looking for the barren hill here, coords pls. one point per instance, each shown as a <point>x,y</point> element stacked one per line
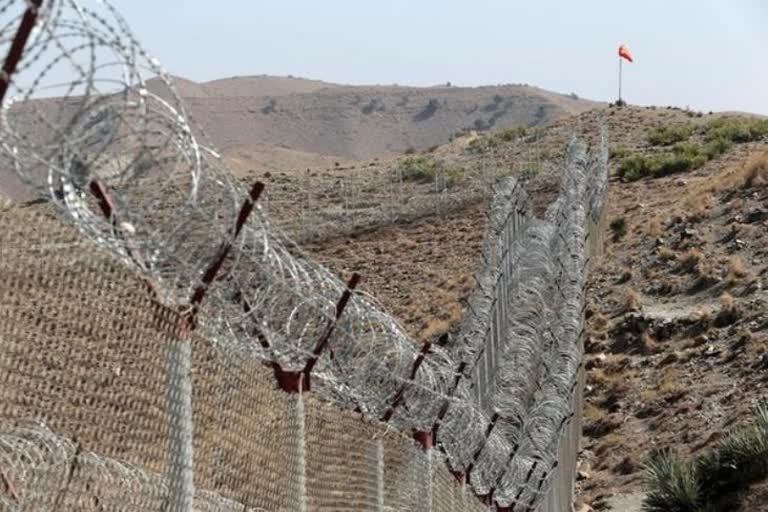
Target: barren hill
<point>278,123</point>
<point>258,120</point>
<point>351,123</point>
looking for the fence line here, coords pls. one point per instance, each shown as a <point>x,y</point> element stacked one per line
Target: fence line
<point>225,294</point>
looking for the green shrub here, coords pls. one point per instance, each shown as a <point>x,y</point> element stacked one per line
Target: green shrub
<point>736,129</point>
<point>673,484</point>
<point>618,152</point>
<point>716,146</point>
<point>710,482</point>
<point>483,143</point>
<point>618,228</point>
<point>667,135</point>
<point>511,134</point>
<point>417,169</point>
<point>739,459</point>
<point>658,165</point>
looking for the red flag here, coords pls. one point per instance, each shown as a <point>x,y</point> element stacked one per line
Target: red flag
<point>624,53</point>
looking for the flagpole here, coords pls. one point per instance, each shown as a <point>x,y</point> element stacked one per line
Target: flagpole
<point>620,80</point>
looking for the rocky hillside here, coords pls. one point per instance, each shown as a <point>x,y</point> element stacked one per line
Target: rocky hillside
<point>677,354</point>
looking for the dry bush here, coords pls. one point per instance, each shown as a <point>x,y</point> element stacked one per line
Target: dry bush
<point>631,300</point>
<point>756,171</point>
<point>599,322</point>
<point>654,227</point>
<point>690,260</point>
<point>648,345</point>
<point>593,413</point>
<point>727,302</point>
<point>434,328</point>
<point>666,254</point>
<point>737,269</point>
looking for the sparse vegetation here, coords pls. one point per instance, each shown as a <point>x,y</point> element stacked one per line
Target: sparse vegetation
<point>657,165</point>
<point>666,135</point>
<point>736,129</point>
<point>711,481</point>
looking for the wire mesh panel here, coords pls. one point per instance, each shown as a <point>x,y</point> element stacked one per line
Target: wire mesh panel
<point>81,344</point>
<point>342,460</point>
<point>404,464</point>
<point>244,442</point>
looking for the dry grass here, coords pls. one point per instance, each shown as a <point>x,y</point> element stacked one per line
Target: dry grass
<point>668,382</point>
<point>631,300</point>
<point>599,322</point>
<point>648,345</point>
<point>655,226</point>
<point>690,260</point>
<point>593,413</point>
<point>737,269</point>
<point>666,254</point>
<point>756,171</point>
<point>727,302</point>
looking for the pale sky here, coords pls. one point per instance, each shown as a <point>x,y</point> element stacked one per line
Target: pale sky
<point>704,54</point>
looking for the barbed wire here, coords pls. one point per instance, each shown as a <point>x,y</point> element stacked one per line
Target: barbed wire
<point>121,160</point>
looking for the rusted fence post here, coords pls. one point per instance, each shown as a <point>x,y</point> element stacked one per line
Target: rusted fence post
<point>17,46</point>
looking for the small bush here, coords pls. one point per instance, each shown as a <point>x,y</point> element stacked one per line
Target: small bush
<point>618,228</point>
<point>667,135</point>
<point>673,484</point>
<point>417,169</point>
<point>618,152</point>
<point>756,171</point>
<point>511,134</point>
<point>716,147</point>
<point>485,142</point>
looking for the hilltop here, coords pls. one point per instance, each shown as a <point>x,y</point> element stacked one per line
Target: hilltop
<point>259,121</point>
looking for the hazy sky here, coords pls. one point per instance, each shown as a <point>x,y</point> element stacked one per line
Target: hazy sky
<point>704,54</point>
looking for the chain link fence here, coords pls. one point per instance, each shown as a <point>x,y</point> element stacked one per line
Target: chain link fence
<point>164,346</point>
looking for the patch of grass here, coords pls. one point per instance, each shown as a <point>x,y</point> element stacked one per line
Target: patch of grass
<point>636,167</point>
<point>711,481</point>
<point>667,135</point>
